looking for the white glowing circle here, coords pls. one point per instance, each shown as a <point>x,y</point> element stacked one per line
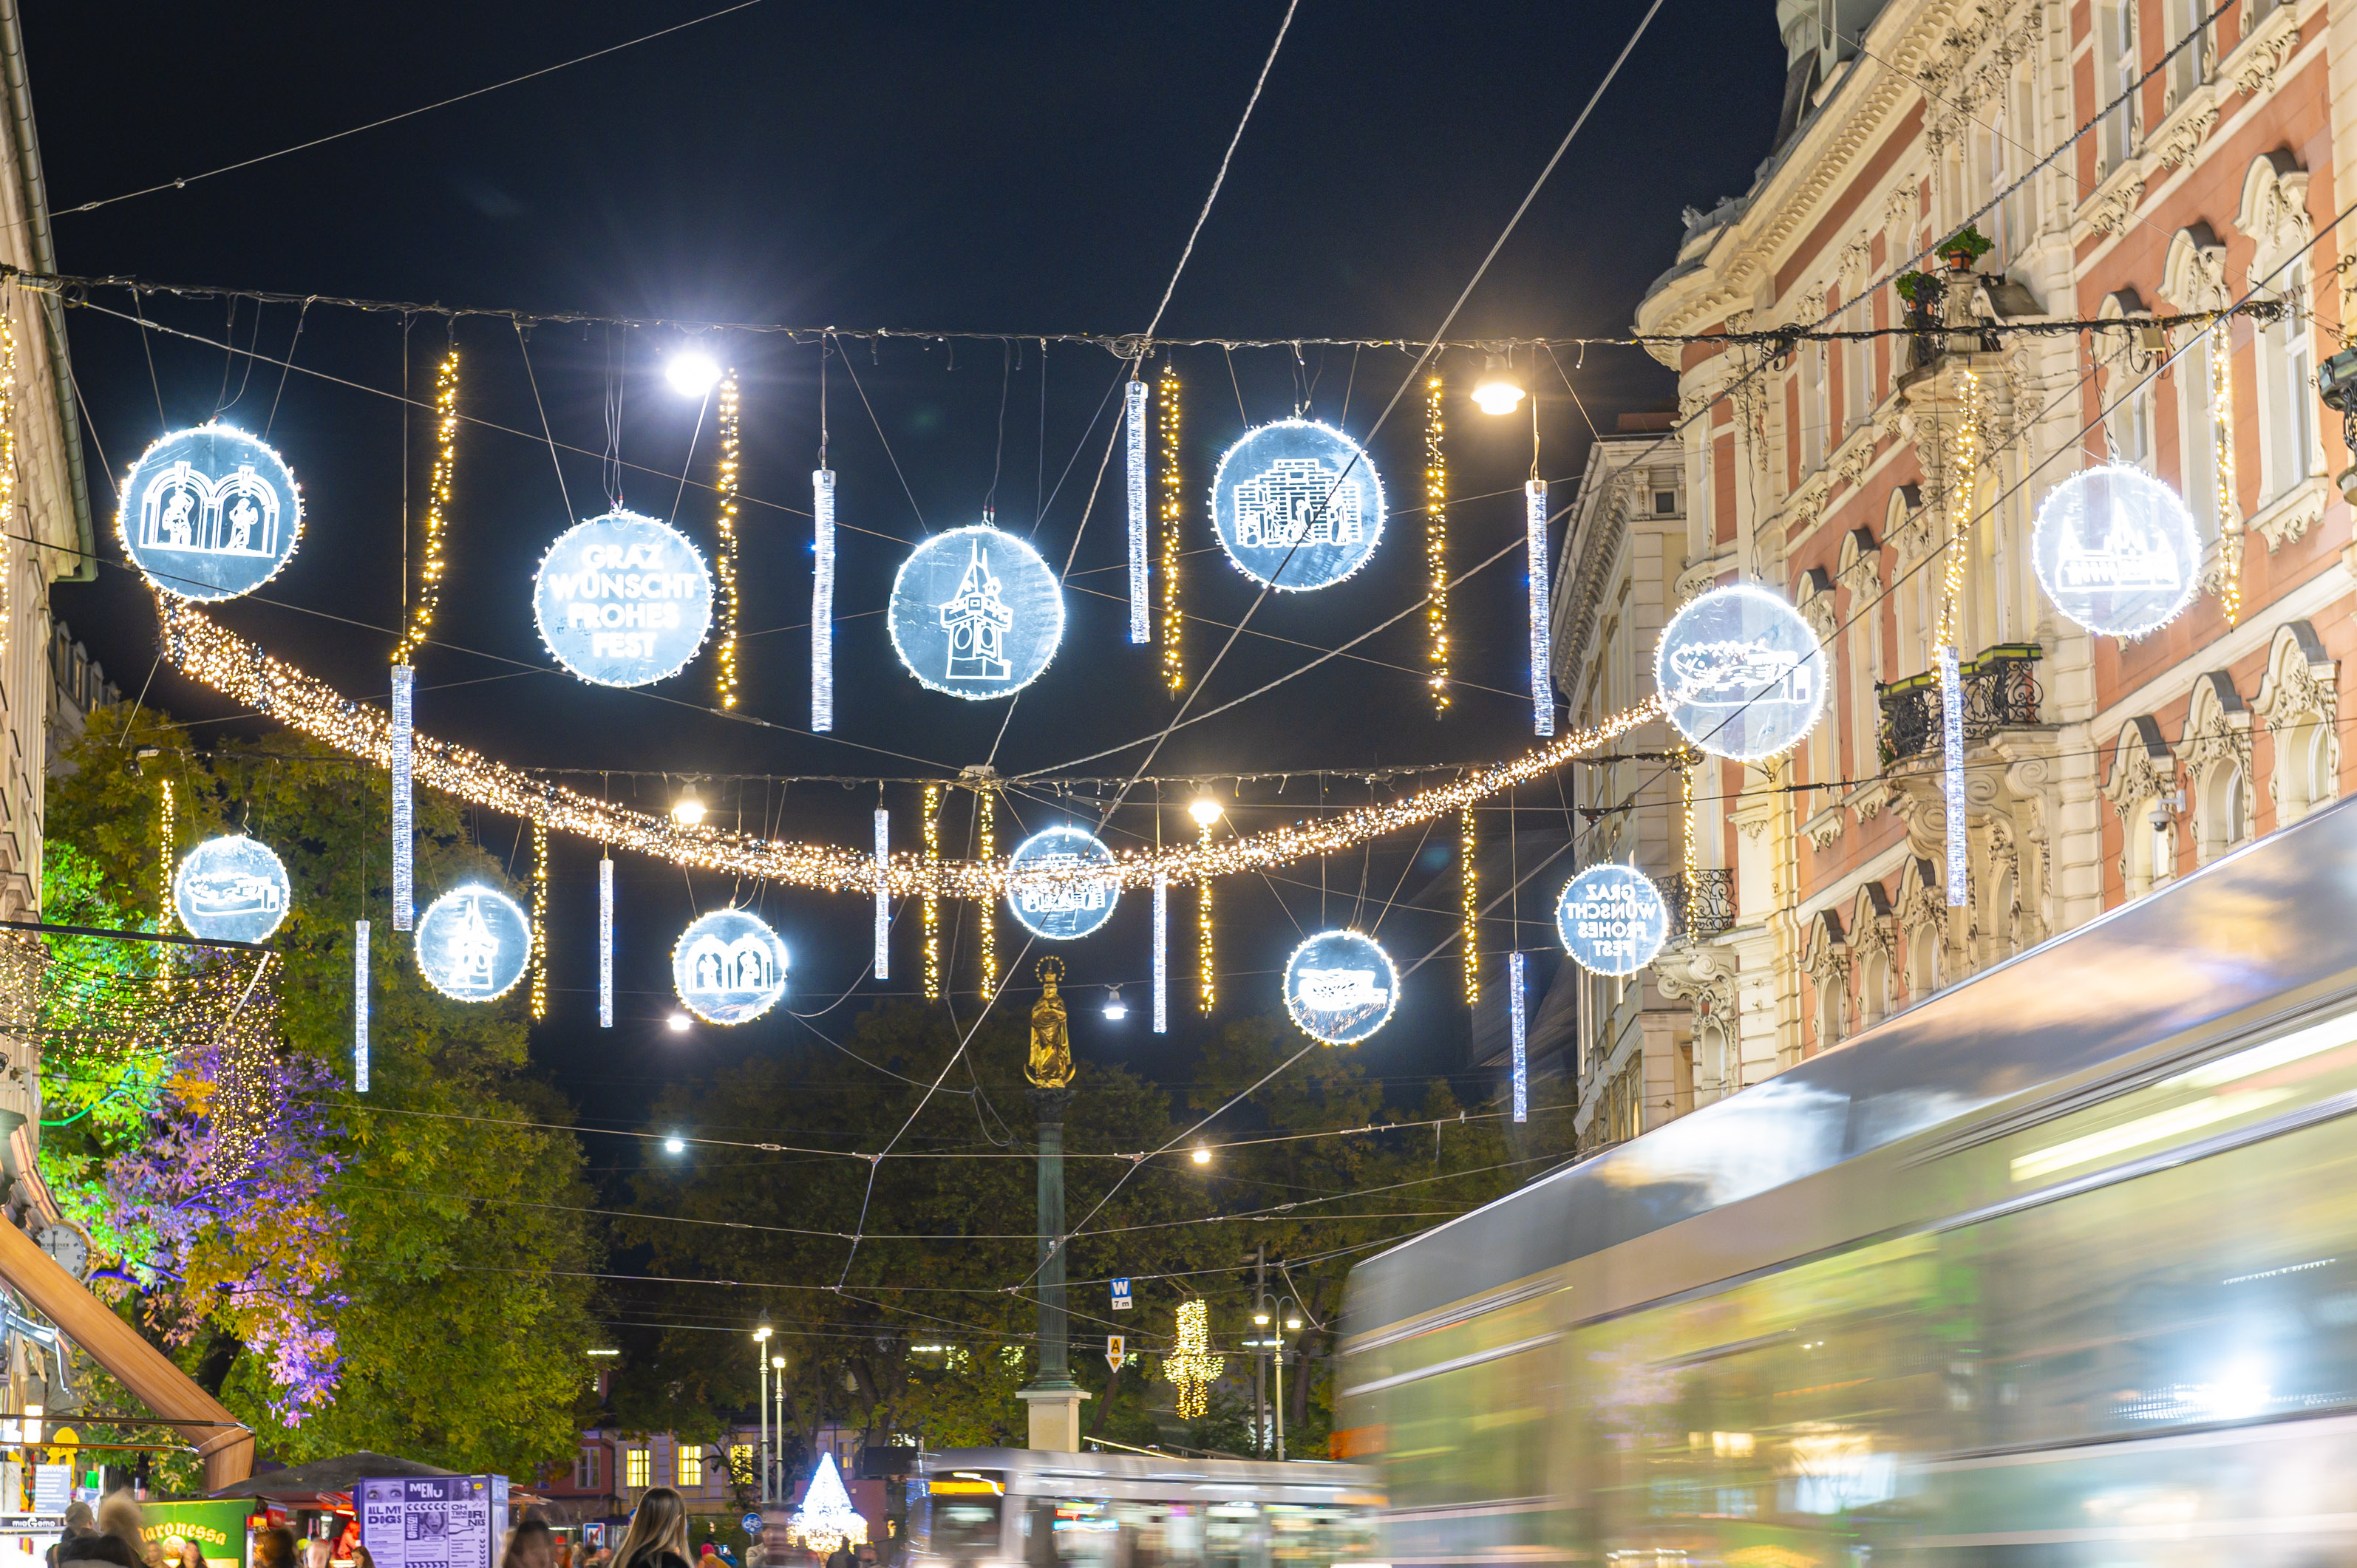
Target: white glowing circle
<point>1297,505</point>
<point>1740,673</point>
<point>210,513</point>
<point>230,890</point>
<point>623,600</point>
<point>1611,919</point>
<point>2116,550</point>
<point>474,943</point>
<point>1340,987</point>
<point>692,374</point>
<point>728,967</point>
<point>1047,889</point>
<point>975,613</point>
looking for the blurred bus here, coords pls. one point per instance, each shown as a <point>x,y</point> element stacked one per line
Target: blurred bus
<point>2059,1266</point>
<point>1018,1508</point>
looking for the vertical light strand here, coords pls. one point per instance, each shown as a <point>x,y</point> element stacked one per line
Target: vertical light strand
<point>1174,659</point>
<point>725,489</point>
<point>1516,1022</point>
<point>606,942</point>
<point>1952,781</point>
<point>883,964</point>
<point>932,826</point>
<point>822,600</point>
<point>1535,524</point>
<point>404,888</point>
<point>8,477</point>
<point>2222,434</point>
<point>1469,898</point>
<point>360,1006</point>
<point>167,824</point>
<point>986,837</point>
<point>1691,758</point>
<point>1207,985</point>
<point>1161,953</point>
<point>1141,590</point>
<point>436,566</point>
<point>539,921</point>
<point>1436,549</point>
<point>1964,467</point>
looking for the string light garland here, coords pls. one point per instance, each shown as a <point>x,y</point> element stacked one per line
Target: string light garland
<point>1189,1364</point>
<point>1436,549</point>
<point>1141,596</point>
<point>986,841</point>
<point>2231,536</point>
<point>1174,620</point>
<point>539,921</point>
<point>360,1006</point>
<point>931,894</point>
<point>438,487</point>
<point>202,648</point>
<point>724,489</point>
<point>1469,899</point>
<point>1207,980</point>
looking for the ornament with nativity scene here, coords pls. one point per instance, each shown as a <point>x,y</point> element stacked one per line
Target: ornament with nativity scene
<point>728,967</point>
<point>210,513</point>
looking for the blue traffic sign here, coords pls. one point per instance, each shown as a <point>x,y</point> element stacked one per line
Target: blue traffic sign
<point>752,1523</point>
<point>1120,1295</point>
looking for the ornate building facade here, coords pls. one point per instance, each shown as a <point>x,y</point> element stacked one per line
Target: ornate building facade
<point>1861,478</point>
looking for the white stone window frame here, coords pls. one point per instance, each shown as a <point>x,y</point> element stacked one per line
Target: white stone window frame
<point>2144,778</point>
<point>2274,215</point>
<point>2300,703</point>
<point>2216,756</point>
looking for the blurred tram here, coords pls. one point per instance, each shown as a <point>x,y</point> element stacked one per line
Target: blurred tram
<point>1018,1508</point>
<point>2059,1267</point>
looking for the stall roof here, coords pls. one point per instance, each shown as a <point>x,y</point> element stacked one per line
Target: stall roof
<point>327,1477</point>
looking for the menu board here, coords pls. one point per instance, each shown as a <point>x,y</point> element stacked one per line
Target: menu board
<point>433,1521</point>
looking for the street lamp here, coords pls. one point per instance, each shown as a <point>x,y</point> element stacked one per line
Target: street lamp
<point>675,1144</point>
<point>1205,810</point>
<point>692,374</point>
<point>761,1366</point>
<point>1202,1153</point>
<point>677,1023</point>
<point>688,810</point>
<point>1115,1007</point>
<point>1499,390</point>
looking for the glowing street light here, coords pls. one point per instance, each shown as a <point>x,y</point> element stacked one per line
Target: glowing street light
<point>677,1023</point>
<point>692,374</point>
<point>1205,810</point>
<point>1115,1007</point>
<point>688,810</point>
<point>1499,390</point>
<point>675,1144</point>
<point>1202,1153</point>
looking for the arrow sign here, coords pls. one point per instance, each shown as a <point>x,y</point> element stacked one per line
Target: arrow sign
<point>1113,1350</point>
<point>1120,1295</point>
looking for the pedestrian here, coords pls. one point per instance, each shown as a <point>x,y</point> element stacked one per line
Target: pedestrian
<point>78,1524</point>
<point>531,1544</point>
<point>182,1552</point>
<point>273,1548</point>
<point>317,1553</point>
<point>841,1557</point>
<point>361,1558</point>
<point>115,1538</point>
<point>658,1534</point>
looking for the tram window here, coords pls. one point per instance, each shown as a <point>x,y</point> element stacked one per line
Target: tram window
<point>1233,1537</point>
<point>965,1526</point>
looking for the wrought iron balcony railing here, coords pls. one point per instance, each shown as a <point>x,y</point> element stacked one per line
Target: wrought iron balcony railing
<point>2000,690</point>
<point>1702,902</point>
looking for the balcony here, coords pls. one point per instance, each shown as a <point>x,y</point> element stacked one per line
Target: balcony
<point>1702,902</point>
<point>2000,693</point>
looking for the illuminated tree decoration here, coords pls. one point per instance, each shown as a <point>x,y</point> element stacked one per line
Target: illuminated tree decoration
<point>210,513</point>
<point>1340,987</point>
<point>1611,919</point>
<point>1190,1366</point>
<point>230,890</point>
<point>975,613</point>
<point>623,600</point>
<point>1740,673</point>
<point>2116,550</point>
<point>826,1521</point>
<point>728,967</point>
<point>1297,505</point>
<point>1049,889</point>
<point>474,943</point>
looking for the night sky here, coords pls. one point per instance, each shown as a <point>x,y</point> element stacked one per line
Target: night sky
<point>1017,169</point>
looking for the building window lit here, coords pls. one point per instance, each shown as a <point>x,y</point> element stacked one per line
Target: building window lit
<point>691,1464</point>
<point>638,1467</point>
<point>585,1469</point>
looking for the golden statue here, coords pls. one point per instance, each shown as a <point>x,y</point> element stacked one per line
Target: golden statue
<point>1051,1035</point>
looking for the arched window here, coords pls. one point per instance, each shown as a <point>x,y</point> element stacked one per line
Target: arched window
<point>1922,961</point>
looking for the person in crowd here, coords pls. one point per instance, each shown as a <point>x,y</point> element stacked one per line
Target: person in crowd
<point>843,1557</point>
<point>531,1544</point>
<point>361,1557</point>
<point>115,1540</point>
<point>78,1524</point>
<point>182,1552</point>
<point>658,1534</point>
<point>273,1548</point>
<point>317,1553</point>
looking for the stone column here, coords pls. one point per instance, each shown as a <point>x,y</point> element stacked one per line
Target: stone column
<point>1053,1398</point>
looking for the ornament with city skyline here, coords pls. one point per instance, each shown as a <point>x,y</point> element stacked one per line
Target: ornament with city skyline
<point>1297,505</point>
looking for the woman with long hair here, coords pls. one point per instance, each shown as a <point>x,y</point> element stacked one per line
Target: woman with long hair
<point>658,1534</point>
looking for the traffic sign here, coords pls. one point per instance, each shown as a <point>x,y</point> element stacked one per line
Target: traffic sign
<point>752,1523</point>
<point>1120,1295</point>
<point>1113,1350</point>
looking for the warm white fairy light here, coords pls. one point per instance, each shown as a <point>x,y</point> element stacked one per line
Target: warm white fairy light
<point>1161,953</point>
<point>1516,1023</point>
<point>822,600</point>
<point>1964,466</point>
<point>1141,611</point>
<point>932,910</point>
<point>883,963</point>
<point>202,648</point>
<point>1174,622</point>
<point>1535,524</point>
<point>2222,435</point>
<point>8,477</point>
<point>1951,777</point>
<point>606,942</point>
<point>1206,979</point>
<point>986,914</point>
<point>436,564</point>
<point>1469,897</point>
<point>1189,1364</point>
<point>539,921</point>
<point>360,1006</point>
<point>399,747</point>
<point>1436,548</point>
<point>724,488</point>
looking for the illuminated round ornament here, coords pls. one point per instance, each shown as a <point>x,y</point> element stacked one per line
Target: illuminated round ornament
<point>975,613</point>
<point>1297,505</point>
<point>1611,919</point>
<point>728,967</point>
<point>210,513</point>
<point>623,600</point>
<point>2116,550</point>
<point>1340,987</point>
<point>1047,889</point>
<point>1740,673</point>
<point>473,943</point>
<point>230,890</point>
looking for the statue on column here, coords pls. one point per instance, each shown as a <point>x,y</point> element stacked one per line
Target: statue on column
<point>1051,1037</point>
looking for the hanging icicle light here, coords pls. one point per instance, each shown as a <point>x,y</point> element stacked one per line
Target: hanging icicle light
<point>1515,1023</point>
<point>360,1006</point>
<point>606,942</point>
<point>2222,434</point>
<point>1141,609</point>
<point>404,886</point>
<point>726,488</point>
<point>1174,663</point>
<point>1951,774</point>
<point>1469,899</point>
<point>1161,954</point>
<point>1436,549</point>
<point>1964,466</point>
<point>539,921</point>
<point>987,910</point>
<point>1535,524</point>
<point>932,903</point>
<point>883,960</point>
<point>822,600</point>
